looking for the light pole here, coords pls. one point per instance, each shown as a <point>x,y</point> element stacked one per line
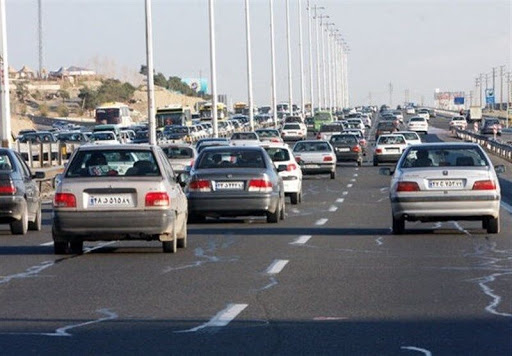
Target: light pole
<point>302,104</point>
<point>317,27</point>
<point>311,98</point>
<point>249,65</point>
<point>151,84</point>
<point>324,72</point>
<point>289,50</point>
<point>273,64</point>
<point>329,62</point>
<point>213,69</point>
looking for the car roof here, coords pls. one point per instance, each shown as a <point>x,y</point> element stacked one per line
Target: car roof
<point>120,146</point>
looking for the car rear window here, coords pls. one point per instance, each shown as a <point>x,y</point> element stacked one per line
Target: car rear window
<point>97,163</point>
<point>312,147</point>
<point>443,157</point>
<point>5,162</point>
<point>347,139</point>
<point>391,140</point>
<point>291,127</point>
<point>178,152</point>
<point>268,133</point>
<point>244,136</point>
<point>330,128</point>
<point>417,119</point>
<point>410,135</point>
<point>231,159</point>
<point>278,154</point>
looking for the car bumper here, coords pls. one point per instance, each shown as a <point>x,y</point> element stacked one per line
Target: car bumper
<point>446,208</point>
<point>234,205</point>
<point>387,158</point>
<point>348,156</point>
<point>291,184</point>
<point>311,168</point>
<point>112,225</point>
<point>11,208</point>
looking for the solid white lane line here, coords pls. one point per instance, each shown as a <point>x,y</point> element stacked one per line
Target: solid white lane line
<point>340,200</point>
<point>321,221</point>
<point>506,206</point>
<point>223,318</point>
<point>276,266</point>
<point>301,240</point>
<point>333,208</point>
<point>349,185</point>
<point>47,244</point>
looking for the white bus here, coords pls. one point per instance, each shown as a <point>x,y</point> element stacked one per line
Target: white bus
<point>113,114</point>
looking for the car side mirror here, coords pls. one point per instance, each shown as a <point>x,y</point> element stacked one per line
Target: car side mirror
<point>385,171</point>
<point>499,168</point>
<point>38,175</point>
<point>281,168</point>
<point>56,180</point>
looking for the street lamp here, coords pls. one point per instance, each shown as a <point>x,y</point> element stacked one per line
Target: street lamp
<point>249,66</point>
<point>213,69</point>
<point>151,84</point>
<point>289,50</point>
<point>273,64</point>
<point>301,60</point>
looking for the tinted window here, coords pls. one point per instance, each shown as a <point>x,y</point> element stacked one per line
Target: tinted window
<point>178,152</point>
<point>278,154</point>
<point>232,159</point>
<point>442,157</point>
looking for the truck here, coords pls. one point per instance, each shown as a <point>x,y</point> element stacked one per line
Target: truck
<point>474,114</point>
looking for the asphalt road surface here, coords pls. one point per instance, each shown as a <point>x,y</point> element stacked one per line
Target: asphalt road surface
<point>330,279</point>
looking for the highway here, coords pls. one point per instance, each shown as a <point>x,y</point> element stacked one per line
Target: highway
<point>330,279</point>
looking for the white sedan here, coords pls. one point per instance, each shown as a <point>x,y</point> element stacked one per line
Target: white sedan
<point>389,148</point>
<point>418,124</point>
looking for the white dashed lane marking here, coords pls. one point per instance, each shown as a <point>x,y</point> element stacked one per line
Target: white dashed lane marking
<point>333,208</point>
<point>276,266</point>
<point>340,200</point>
<point>349,185</point>
<point>223,318</point>
<point>321,222</point>
<point>301,240</point>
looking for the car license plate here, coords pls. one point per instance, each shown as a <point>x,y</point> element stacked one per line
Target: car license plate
<point>343,149</point>
<point>392,149</point>
<point>178,167</point>
<point>446,184</point>
<point>229,185</point>
<point>312,166</point>
<point>111,200</point>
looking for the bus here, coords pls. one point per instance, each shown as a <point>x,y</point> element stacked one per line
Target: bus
<point>173,115</point>
<point>113,114</point>
<point>205,111</point>
<point>241,108</point>
<point>320,118</point>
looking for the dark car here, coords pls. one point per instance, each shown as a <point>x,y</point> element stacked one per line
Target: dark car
<point>235,181</point>
<point>177,132</point>
<point>210,142</point>
<point>489,125</point>
<point>20,200</point>
<point>385,127</point>
<point>347,148</point>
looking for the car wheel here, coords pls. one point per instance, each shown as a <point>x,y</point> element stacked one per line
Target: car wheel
<point>333,175</point>
<point>182,240</point>
<point>300,197</point>
<point>359,163</point>
<point>60,248</point>
<point>20,227</point>
<point>375,163</point>
<point>282,213</point>
<point>171,246</point>
<point>485,223</point>
<point>274,217</point>
<point>493,225</point>
<point>294,198</point>
<point>398,226</point>
<point>36,224</point>
<point>76,247</point>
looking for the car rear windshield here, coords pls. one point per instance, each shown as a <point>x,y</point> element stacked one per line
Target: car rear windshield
<point>178,152</point>
<point>330,128</point>
<point>417,119</point>
<point>231,159</point>
<point>291,127</point>
<point>278,154</point>
<point>5,162</point>
<point>443,157</point>
<point>385,124</point>
<point>344,139</point>
<point>97,163</point>
<point>244,136</point>
<point>312,147</point>
<point>410,135</point>
<point>391,140</point>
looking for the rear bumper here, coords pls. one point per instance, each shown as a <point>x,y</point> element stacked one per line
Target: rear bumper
<point>387,158</point>
<point>234,205</point>
<point>349,156</point>
<point>111,225</point>
<point>11,208</point>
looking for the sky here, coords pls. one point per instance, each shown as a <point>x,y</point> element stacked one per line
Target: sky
<point>417,46</point>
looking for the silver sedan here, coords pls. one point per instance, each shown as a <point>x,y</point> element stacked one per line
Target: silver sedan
<point>445,181</point>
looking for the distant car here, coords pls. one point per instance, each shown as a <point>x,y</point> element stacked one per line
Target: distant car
<point>432,112</point>
<point>489,125</point>
<point>389,148</point>
<point>20,200</point>
<point>444,182</point>
<point>269,135</point>
<point>210,142</point>
<point>326,131</point>
<point>360,136</point>
<point>245,139</point>
<point>235,181</point>
<point>104,138</point>
<point>385,127</point>
<point>418,124</point>
<point>411,137</point>
<point>118,192</point>
<point>293,132</point>
<point>347,148</point>
<point>458,122</point>
<point>180,156</point>
<point>410,110</point>
<point>315,157</point>
<point>282,155</point>
<point>424,113</point>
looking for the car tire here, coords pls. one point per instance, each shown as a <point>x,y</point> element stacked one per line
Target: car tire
<point>182,239</point>
<point>76,247</point>
<point>273,218</point>
<point>20,227</point>
<point>60,248</point>
<point>171,246</point>
<point>493,225</point>
<point>282,213</point>
<point>398,226</point>
<point>294,198</point>
<point>333,175</point>
<point>359,163</point>
<point>36,224</point>
<point>375,163</point>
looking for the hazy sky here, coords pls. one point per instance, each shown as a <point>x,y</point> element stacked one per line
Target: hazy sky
<point>415,45</point>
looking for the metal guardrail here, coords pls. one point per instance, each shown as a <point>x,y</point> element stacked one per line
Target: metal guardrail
<point>498,148</point>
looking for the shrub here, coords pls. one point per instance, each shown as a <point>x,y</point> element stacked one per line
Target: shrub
<point>63,110</point>
<point>43,109</point>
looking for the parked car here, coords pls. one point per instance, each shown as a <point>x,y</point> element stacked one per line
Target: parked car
<point>315,157</point>
<point>235,181</point>
<point>444,182</point>
<point>347,148</point>
<point>389,148</point>
<point>118,192</point>
<point>180,156</point>
<point>20,200</point>
<point>282,155</point>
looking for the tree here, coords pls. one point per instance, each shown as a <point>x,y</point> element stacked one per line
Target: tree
<point>64,94</point>
<point>89,98</point>
<point>160,80</point>
<point>21,91</point>
<point>63,110</point>
<point>43,109</point>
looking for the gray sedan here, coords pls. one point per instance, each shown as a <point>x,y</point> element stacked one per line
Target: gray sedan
<point>235,181</point>
<point>118,192</point>
<point>445,181</point>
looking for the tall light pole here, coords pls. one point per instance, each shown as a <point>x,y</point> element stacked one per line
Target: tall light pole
<point>249,65</point>
<point>302,104</point>
<point>151,84</point>
<point>324,72</point>
<point>5,105</point>
<point>311,97</point>
<point>273,64</point>
<point>213,69</point>
<point>40,36</point>
<point>329,62</point>
<point>318,86</point>
<point>345,83</point>
<point>289,50</point>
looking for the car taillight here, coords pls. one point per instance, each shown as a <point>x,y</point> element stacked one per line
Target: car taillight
<point>484,185</point>
<point>275,140</point>
<point>407,187</point>
<point>318,137</point>
<point>356,149</point>
<point>64,200</point>
<point>291,167</point>
<point>327,159</point>
<point>298,159</point>
<point>200,185</point>
<point>192,163</point>
<point>157,199</point>
<point>378,150</point>
<point>260,185</point>
<point>7,188</point>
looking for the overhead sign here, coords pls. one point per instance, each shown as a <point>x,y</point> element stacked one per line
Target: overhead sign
<point>489,96</point>
<point>458,100</point>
